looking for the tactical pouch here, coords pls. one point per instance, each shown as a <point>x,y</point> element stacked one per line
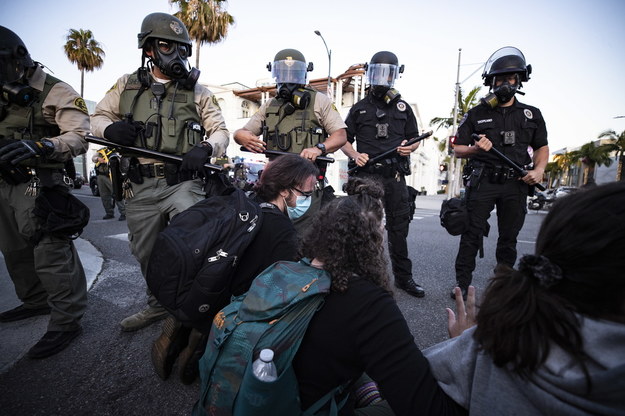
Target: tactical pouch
<point>134,171</point>
<point>403,165</point>
<point>171,174</point>
<point>60,214</point>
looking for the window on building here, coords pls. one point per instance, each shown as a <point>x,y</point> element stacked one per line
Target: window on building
<point>245,109</point>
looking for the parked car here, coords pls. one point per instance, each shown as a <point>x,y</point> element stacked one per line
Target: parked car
<point>93,184</point>
<point>564,190</point>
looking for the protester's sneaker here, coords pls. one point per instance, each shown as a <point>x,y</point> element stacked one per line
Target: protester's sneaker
<point>168,345</point>
<point>108,217</point>
<point>52,342</point>
<point>22,312</point>
<point>189,359</point>
<point>122,218</point>
<point>410,287</point>
<point>144,318</point>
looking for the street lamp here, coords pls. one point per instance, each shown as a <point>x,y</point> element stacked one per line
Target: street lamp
<point>329,63</point>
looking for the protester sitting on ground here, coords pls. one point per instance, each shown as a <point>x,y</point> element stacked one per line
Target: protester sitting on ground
<point>549,337</point>
<point>360,327</point>
<point>284,180</point>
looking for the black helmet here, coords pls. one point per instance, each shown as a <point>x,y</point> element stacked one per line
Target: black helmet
<point>383,69</point>
<point>14,57</point>
<point>507,60</point>
<point>289,67</point>
<point>163,26</point>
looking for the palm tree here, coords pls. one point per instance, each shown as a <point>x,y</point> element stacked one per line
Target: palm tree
<point>464,105</point>
<point>619,147</point>
<point>206,20</point>
<point>552,170</point>
<point>86,52</point>
<point>592,155</point>
<point>563,161</point>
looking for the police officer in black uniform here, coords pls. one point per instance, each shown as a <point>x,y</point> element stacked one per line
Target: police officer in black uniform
<point>379,122</point>
<point>504,123</point>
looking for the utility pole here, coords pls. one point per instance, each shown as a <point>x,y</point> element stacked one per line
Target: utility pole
<point>453,185</point>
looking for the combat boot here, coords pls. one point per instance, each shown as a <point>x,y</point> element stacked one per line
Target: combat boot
<point>410,287</point>
<point>144,318</point>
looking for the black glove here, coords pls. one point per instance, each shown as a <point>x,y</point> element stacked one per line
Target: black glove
<point>195,158</point>
<point>25,149</point>
<point>123,132</point>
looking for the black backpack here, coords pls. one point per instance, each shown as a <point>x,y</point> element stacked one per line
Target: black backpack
<point>454,216</point>
<point>195,256</point>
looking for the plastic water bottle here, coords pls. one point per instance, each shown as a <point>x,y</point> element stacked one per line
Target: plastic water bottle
<point>264,369</point>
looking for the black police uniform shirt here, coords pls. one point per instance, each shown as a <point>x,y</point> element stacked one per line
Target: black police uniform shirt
<point>525,121</point>
<point>365,116</point>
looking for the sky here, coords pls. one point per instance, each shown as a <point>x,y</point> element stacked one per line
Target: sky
<point>576,48</point>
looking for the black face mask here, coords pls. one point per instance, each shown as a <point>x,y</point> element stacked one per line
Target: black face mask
<point>379,91</point>
<point>505,91</point>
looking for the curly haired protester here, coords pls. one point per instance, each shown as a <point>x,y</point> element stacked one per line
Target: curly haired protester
<point>360,328</point>
<point>549,337</point>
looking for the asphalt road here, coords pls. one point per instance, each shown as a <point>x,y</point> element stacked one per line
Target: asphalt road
<point>108,372</point>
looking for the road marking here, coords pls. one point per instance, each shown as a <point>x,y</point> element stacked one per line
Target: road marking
<point>123,236</point>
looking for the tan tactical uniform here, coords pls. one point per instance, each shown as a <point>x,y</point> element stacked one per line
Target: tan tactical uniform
<point>154,202</point>
<point>324,110</point>
<point>50,272</point>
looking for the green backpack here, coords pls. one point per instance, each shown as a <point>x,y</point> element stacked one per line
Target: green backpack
<point>273,314</point>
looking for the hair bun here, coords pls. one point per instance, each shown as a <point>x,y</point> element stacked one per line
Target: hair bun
<point>363,186</point>
<point>541,268</point>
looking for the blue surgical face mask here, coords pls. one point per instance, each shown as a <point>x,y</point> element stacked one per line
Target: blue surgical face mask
<point>302,203</point>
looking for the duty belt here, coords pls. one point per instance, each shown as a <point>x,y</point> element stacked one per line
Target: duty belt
<point>153,170</point>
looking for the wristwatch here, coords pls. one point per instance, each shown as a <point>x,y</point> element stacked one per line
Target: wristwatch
<point>322,147</point>
<point>48,146</point>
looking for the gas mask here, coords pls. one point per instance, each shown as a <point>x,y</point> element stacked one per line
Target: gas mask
<point>285,91</point>
<point>379,91</point>
<point>505,91</point>
<point>171,58</point>
<point>17,93</point>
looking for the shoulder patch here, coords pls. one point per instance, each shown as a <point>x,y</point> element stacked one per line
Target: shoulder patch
<point>112,88</point>
<point>401,106</point>
<point>464,118</point>
<point>528,113</point>
<point>334,107</point>
<point>80,104</point>
<point>214,99</point>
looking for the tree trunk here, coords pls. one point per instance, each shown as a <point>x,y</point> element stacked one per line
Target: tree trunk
<point>621,170</point>
<point>197,55</point>
<point>82,82</point>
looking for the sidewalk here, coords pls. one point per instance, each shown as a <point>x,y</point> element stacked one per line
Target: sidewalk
<point>430,201</point>
<point>16,338</point>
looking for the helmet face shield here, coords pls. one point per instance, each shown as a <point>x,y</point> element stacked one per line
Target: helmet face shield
<point>289,71</point>
<point>507,60</point>
<point>11,69</point>
<point>382,74</point>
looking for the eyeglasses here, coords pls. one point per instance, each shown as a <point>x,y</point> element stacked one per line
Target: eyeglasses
<point>306,194</point>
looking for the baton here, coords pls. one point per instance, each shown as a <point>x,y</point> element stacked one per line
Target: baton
<point>146,152</point>
<point>388,152</point>
<point>518,169</point>
<point>280,153</point>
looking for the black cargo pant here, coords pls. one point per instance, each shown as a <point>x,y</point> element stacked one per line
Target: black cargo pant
<point>510,199</point>
<point>397,208</point>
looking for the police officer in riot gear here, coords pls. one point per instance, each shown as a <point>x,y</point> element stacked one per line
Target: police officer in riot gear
<point>379,122</point>
<point>43,122</point>
<point>502,122</point>
<point>160,107</point>
<point>298,120</point>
